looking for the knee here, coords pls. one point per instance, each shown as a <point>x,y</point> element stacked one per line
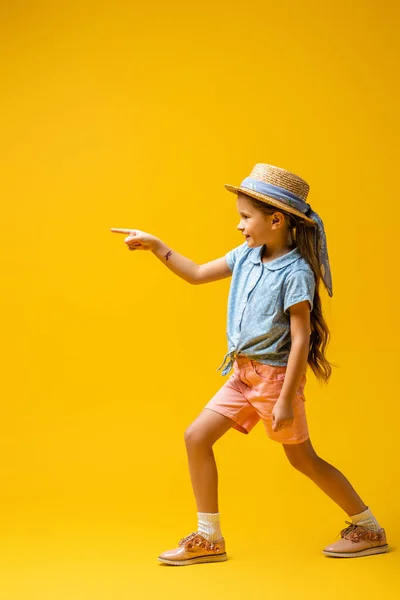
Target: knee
<point>195,437</point>
<point>307,464</point>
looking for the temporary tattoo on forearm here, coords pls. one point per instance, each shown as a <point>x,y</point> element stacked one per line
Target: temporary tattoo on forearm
<point>167,256</point>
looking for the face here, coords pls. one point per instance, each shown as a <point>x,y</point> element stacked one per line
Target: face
<point>258,227</point>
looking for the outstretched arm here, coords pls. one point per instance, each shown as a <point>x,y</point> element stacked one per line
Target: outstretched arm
<point>177,263</point>
<point>190,271</point>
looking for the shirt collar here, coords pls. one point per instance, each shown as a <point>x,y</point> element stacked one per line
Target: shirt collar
<point>277,263</point>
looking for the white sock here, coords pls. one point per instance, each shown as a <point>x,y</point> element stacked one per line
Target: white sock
<point>366,519</point>
<point>209,526</point>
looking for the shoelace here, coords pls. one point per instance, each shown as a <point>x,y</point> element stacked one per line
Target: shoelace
<point>356,532</point>
<point>198,542</point>
<point>187,538</point>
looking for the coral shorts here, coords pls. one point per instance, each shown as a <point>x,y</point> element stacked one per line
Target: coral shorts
<point>250,394</point>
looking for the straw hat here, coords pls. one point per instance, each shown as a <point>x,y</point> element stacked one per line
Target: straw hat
<point>275,176</point>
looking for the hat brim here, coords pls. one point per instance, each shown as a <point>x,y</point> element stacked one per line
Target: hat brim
<point>269,200</point>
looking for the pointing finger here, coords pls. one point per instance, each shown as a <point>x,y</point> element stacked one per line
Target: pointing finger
<point>129,231</point>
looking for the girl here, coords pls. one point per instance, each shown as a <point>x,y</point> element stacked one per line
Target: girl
<point>275,328</point>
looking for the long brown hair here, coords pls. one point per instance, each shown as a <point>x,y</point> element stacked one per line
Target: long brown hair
<point>303,238</point>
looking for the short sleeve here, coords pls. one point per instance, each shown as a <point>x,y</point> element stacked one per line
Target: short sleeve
<point>232,256</point>
<point>299,286</point>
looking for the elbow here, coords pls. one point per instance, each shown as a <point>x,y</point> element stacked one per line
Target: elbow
<point>195,279</point>
<point>301,342</point>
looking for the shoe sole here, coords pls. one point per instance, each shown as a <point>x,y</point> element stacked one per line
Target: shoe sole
<point>367,552</point>
<point>195,560</point>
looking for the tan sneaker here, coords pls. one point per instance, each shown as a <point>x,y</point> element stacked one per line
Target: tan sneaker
<point>357,540</point>
<point>193,549</point>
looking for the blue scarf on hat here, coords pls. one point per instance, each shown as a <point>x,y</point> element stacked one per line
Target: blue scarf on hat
<point>292,200</point>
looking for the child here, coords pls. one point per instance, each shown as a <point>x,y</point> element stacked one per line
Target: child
<point>275,328</point>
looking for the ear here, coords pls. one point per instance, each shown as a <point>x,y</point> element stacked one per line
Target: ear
<point>275,218</point>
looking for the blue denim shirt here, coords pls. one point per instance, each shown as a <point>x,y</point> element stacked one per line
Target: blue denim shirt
<point>259,298</point>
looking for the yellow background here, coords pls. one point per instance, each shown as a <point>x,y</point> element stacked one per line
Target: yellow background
<point>120,114</point>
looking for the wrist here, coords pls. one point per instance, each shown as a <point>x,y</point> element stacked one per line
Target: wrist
<point>156,246</point>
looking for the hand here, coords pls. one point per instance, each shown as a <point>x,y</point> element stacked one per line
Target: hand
<point>138,240</point>
<point>282,415</point>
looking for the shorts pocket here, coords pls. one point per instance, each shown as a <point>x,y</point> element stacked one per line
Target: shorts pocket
<point>268,391</point>
<point>269,373</point>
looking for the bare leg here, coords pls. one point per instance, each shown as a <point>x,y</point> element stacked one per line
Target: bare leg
<point>200,436</point>
<point>329,479</point>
